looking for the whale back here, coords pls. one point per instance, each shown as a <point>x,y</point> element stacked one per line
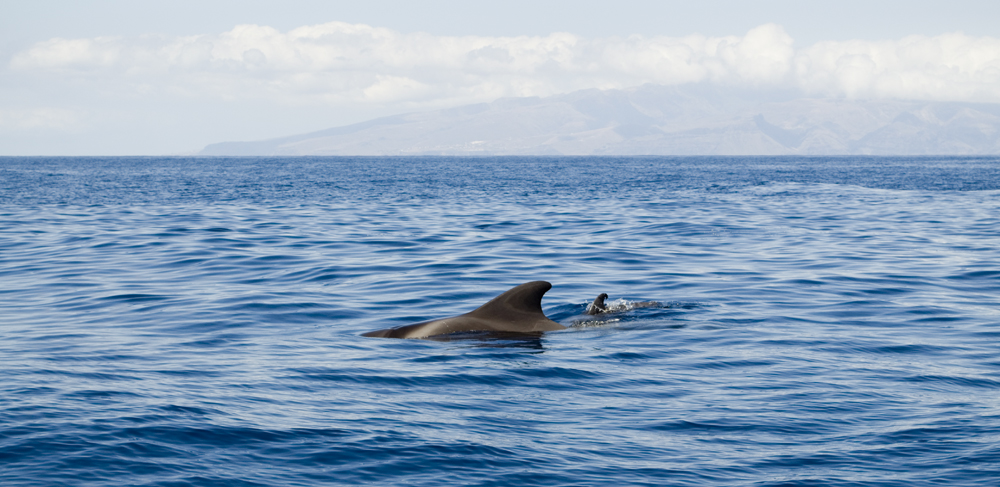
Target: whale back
<point>519,310</point>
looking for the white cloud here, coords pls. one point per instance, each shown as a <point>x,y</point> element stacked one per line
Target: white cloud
<point>945,67</point>
<point>337,63</point>
<point>395,88</point>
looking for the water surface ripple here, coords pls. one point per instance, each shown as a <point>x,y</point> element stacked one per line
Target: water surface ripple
<point>196,321</point>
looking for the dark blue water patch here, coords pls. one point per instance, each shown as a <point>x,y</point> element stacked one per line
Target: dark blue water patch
<point>951,382</point>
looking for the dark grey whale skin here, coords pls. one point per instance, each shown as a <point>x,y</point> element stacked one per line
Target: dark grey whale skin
<point>518,310</point>
<point>597,307</point>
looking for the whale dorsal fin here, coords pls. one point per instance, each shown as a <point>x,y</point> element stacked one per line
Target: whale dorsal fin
<point>518,304</point>
<point>519,310</point>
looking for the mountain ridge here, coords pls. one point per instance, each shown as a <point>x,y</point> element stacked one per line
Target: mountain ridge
<point>658,120</point>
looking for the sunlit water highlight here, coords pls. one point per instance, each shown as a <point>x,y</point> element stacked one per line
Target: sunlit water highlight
<point>175,321</point>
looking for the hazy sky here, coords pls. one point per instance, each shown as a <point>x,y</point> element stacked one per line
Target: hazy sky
<point>151,77</point>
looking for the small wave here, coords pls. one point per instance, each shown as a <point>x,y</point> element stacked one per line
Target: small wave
<point>135,298</point>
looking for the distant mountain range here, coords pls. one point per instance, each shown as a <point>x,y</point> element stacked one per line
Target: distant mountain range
<point>658,120</point>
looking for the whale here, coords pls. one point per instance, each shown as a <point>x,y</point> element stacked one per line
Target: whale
<point>599,307</point>
<point>517,311</point>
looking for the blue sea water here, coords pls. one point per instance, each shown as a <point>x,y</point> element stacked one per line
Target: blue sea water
<point>197,321</point>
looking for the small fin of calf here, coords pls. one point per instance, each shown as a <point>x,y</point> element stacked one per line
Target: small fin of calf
<point>597,307</point>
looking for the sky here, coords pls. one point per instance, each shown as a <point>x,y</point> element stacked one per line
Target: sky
<point>145,77</point>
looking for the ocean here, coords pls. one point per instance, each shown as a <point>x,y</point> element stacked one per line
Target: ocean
<point>820,321</point>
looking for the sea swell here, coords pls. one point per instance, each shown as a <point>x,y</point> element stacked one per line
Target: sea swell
<point>180,321</point>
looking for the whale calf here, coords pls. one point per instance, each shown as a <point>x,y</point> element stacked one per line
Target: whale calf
<point>600,307</point>
<point>518,310</point>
